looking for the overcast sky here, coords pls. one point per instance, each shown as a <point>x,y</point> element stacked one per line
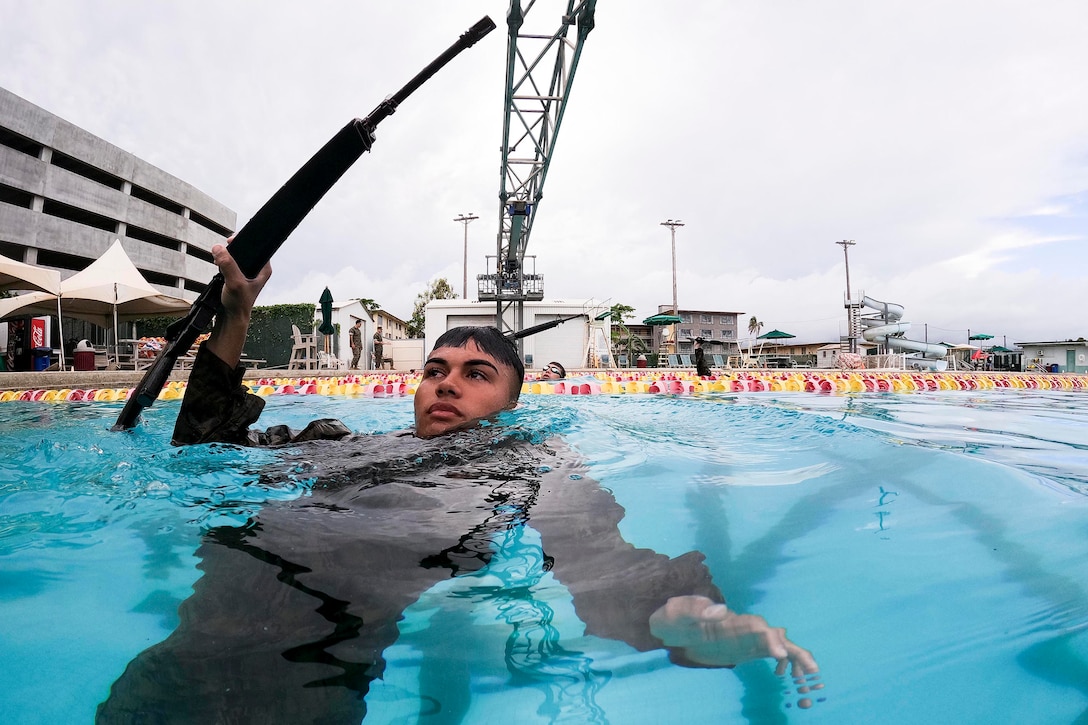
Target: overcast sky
<point>947,138</point>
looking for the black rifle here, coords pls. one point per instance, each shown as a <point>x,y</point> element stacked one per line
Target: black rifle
<point>254,245</point>
<point>511,336</point>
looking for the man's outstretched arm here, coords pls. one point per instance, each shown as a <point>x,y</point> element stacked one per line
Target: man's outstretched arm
<point>640,596</point>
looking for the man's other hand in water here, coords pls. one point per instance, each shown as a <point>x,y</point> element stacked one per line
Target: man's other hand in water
<point>710,634</point>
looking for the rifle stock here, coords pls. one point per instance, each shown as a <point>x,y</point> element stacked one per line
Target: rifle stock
<point>254,244</point>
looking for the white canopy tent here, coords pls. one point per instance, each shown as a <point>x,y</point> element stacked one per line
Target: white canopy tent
<point>111,287</point>
<point>15,275</point>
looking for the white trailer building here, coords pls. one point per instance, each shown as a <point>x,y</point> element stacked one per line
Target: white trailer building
<point>582,342</point>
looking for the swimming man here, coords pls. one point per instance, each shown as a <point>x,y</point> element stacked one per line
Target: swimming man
<point>293,612</point>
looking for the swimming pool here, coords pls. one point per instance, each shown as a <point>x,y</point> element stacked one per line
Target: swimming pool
<point>929,549</point>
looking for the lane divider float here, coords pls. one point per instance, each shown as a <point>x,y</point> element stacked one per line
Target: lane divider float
<point>615,383</point>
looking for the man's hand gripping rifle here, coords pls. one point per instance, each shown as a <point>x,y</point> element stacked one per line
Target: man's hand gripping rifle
<point>254,245</point>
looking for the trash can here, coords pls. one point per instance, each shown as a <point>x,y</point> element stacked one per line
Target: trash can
<point>640,361</point>
<point>39,358</point>
<point>1055,368</point>
<point>84,360</point>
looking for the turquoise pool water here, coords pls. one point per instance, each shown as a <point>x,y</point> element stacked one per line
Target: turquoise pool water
<point>929,549</point>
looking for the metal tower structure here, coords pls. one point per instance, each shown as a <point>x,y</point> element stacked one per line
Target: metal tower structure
<point>540,68</point>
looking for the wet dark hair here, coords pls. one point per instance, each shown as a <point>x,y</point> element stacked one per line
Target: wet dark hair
<point>490,341</point>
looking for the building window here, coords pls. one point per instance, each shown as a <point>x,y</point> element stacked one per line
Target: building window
<point>20,143</point>
<point>706,318</point>
<point>87,171</point>
<point>16,197</point>
<point>154,199</point>
<point>685,317</point>
<point>146,235</point>
<point>729,319</point>
<point>727,334</point>
<point>706,334</point>
<point>79,216</point>
<point>685,332</point>
<point>208,224</point>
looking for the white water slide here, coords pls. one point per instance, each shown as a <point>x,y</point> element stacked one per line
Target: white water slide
<point>888,328</point>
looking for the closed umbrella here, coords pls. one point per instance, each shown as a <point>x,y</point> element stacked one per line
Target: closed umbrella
<point>326,327</point>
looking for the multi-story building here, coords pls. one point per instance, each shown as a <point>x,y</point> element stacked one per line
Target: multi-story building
<point>393,328</point>
<point>714,326</point>
<point>66,195</point>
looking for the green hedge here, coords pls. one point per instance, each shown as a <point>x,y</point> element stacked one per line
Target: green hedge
<point>270,337</point>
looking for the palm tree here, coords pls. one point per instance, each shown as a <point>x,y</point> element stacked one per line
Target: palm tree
<point>754,326</point>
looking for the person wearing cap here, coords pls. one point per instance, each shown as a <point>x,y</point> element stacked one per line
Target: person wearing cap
<point>553,371</point>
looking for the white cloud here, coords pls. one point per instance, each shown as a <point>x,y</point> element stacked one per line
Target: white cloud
<point>922,130</point>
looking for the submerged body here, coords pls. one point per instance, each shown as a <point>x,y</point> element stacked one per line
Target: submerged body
<point>294,609</point>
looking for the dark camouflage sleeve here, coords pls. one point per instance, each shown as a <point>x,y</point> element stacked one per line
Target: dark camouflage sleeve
<point>616,586</point>
<point>218,408</point>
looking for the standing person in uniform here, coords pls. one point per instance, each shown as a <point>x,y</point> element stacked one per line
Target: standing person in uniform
<point>379,358</point>
<point>355,339</point>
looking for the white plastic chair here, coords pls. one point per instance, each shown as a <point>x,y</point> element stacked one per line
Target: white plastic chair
<point>303,352</point>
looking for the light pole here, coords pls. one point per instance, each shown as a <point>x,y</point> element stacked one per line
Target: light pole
<point>465,219</point>
<point>672,224</point>
<point>846,244</point>
<point>851,311</point>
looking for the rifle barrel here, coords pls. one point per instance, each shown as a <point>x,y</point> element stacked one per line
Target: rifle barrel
<point>540,328</point>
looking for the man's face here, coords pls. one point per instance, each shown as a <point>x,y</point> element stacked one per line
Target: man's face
<point>460,385</point>
<point>551,372</point>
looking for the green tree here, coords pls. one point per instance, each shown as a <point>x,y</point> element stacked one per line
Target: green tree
<point>369,305</point>
<point>621,335</point>
<point>621,313</point>
<point>439,289</point>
